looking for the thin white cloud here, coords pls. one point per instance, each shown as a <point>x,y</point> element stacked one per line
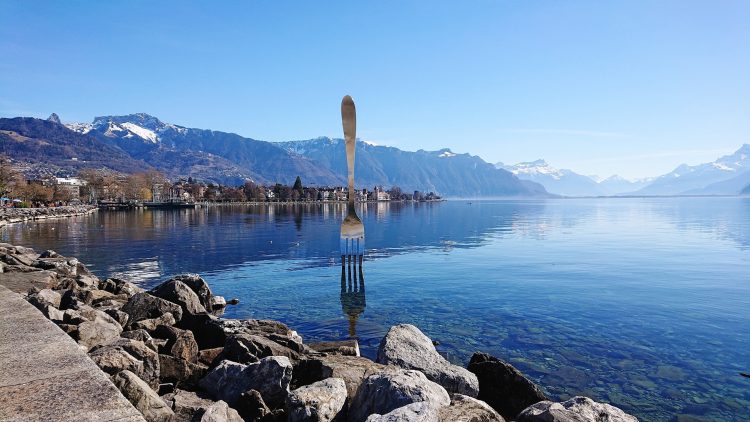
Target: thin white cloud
<point>568,132</point>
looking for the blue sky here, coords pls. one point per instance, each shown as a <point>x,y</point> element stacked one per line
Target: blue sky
<point>627,87</point>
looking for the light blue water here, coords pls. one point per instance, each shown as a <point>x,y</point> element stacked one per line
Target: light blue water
<point>643,303</point>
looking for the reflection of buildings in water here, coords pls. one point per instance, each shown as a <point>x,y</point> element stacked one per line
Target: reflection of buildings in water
<point>381,209</point>
<point>352,295</point>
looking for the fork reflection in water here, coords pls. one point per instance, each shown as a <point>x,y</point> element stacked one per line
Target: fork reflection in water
<point>352,293</point>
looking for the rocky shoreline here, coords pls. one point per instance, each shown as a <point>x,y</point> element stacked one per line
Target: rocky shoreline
<point>175,359</point>
<point>10,215</point>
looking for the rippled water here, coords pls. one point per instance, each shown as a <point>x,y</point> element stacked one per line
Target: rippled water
<point>644,303</point>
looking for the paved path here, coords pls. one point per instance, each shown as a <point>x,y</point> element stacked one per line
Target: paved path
<point>45,376</point>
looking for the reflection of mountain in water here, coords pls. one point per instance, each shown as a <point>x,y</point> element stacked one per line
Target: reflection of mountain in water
<point>220,237</point>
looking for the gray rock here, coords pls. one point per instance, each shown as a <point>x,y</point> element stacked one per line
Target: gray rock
<point>577,409</point>
<point>97,332</point>
<point>119,316</point>
<point>502,386</point>
<point>393,388</point>
<point>208,356</point>
<point>180,372</point>
<point>415,412</point>
<point>218,302</point>
<point>187,405</point>
<point>270,376</point>
<point>151,324</point>
<point>343,347</point>
<point>113,360</point>
<point>406,347</point>
<point>199,286</point>
<point>180,343</point>
<point>143,306</point>
<point>251,406</point>
<point>178,292</point>
<point>318,402</point>
<point>153,408</point>
<point>353,370</point>
<point>141,335</point>
<point>468,409</point>
<point>91,296</point>
<point>220,412</point>
<point>149,359</point>
<point>246,348</point>
<point>44,297</point>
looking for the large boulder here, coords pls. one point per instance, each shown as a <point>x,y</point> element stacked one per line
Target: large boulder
<point>153,408</point>
<point>502,386</point>
<point>110,354</point>
<point>152,324</point>
<point>113,360</point>
<point>407,347</point>
<point>180,372</point>
<point>322,401</point>
<point>248,348</point>
<point>180,343</point>
<point>197,285</point>
<point>143,306</point>
<point>270,376</point>
<point>577,409</point>
<point>468,409</point>
<point>44,297</point>
<point>415,412</point>
<point>187,405</point>
<point>393,388</point>
<point>178,292</point>
<point>353,370</point>
<point>220,412</point>
<point>98,331</point>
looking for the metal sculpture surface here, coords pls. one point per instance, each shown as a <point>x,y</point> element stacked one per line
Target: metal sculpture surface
<point>352,230</point>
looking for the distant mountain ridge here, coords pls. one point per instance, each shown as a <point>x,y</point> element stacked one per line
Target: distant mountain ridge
<point>442,171</point>
<point>569,183</point>
<point>138,142</point>
<point>705,179</point>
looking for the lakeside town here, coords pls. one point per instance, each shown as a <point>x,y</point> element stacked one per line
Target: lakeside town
<point>113,190</point>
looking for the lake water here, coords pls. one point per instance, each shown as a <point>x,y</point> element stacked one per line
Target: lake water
<point>643,303</point>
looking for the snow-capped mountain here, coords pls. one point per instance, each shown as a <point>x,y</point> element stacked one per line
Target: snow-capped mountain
<point>703,178</point>
<point>558,181</point>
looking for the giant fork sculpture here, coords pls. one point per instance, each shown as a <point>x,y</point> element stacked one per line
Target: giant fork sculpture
<point>352,229</point>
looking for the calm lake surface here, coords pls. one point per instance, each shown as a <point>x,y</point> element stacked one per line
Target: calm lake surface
<point>644,303</point>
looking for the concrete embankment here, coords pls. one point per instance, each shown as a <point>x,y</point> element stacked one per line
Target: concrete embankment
<point>46,376</point>
<point>17,215</point>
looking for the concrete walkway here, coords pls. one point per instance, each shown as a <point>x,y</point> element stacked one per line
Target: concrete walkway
<point>45,376</point>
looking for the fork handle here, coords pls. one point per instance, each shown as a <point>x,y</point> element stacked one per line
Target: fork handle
<point>349,121</point>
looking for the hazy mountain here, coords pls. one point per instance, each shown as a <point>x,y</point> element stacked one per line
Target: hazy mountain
<point>204,154</point>
<point>746,191</point>
<point>697,179</point>
<point>51,144</point>
<point>443,171</point>
<point>557,181</point>
<point>616,185</point>
<point>731,186</point>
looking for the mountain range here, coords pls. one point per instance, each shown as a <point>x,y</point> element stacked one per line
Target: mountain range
<point>569,183</point>
<point>728,175</point>
<point>140,142</point>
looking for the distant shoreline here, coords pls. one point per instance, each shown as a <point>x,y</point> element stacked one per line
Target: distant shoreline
<point>19,215</point>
